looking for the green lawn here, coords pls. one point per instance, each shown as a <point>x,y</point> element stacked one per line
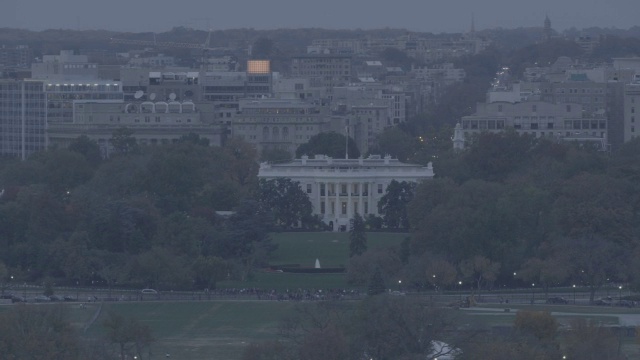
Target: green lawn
<point>331,248</point>
<point>303,248</point>
<point>201,330</point>
<point>222,329</point>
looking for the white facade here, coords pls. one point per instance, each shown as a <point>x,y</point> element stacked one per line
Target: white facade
<point>541,119</point>
<point>632,109</point>
<point>340,188</point>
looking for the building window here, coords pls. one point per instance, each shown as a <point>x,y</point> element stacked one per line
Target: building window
<point>308,188</point>
<point>343,189</point>
<point>568,108</point>
<point>534,108</point>
<point>322,207</point>
<point>366,207</point>
<point>379,188</point>
<point>355,208</point>
<point>343,206</point>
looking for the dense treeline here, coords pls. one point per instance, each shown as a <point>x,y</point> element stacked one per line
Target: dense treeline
<point>552,213</point>
<point>145,217</point>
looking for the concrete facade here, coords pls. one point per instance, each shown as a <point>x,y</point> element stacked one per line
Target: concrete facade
<point>23,118</point>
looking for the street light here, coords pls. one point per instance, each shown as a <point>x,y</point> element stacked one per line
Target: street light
<point>400,285</point>
<point>574,294</point>
<point>460,289</point>
<point>533,293</point>
<point>619,292</point>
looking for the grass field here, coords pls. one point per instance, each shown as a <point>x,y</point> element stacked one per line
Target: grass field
<point>199,330</point>
<point>331,248</point>
<point>303,248</point>
<point>222,329</point>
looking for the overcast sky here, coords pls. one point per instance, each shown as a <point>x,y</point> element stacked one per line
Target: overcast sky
<point>417,15</point>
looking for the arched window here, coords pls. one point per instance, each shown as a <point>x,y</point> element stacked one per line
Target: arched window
<point>285,133</point>
<point>276,133</point>
<point>265,133</point>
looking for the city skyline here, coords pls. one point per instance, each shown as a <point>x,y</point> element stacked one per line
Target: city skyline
<point>414,15</point>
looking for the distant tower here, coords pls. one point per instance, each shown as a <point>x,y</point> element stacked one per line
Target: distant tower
<point>546,33</point>
<point>472,32</point>
<point>458,138</point>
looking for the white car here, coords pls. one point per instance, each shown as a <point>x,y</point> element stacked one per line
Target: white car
<point>149,291</point>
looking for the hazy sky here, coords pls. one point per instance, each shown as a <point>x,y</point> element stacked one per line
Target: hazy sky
<point>418,15</point>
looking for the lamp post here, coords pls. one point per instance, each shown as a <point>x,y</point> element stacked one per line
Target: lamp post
<point>533,293</point>
<point>460,289</point>
<point>574,294</point>
<point>620,293</point>
<point>77,290</point>
<point>399,285</point>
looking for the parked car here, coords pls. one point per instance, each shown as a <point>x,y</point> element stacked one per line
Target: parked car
<point>42,298</point>
<point>557,300</point>
<point>56,298</point>
<point>69,298</point>
<point>18,298</point>
<point>7,296</point>
<point>149,291</point>
<point>602,302</point>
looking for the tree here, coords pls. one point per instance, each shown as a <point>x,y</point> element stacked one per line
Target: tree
<point>401,327</point>
<point>209,270</point>
<point>128,334</point>
<point>4,278</point>
<point>123,141</point>
<point>244,238</point>
<point>361,268</point>
<point>547,272</point>
<point>284,198</point>
<point>590,341</point>
<point>537,323</point>
<point>262,48</point>
<point>440,273</point>
<point>480,270</point>
<point>241,162</point>
<point>38,333</point>
<point>376,284</point>
<point>397,143</point>
<point>393,205</point>
<point>87,148</point>
<point>357,236</point>
<point>195,139</point>
<point>331,144</point>
<point>275,155</point>
<point>592,260</point>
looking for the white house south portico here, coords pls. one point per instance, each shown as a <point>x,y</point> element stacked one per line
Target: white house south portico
<point>339,188</point>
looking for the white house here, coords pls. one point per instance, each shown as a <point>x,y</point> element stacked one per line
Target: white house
<point>339,188</point>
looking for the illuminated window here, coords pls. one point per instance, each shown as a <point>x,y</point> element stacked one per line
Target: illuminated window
<point>258,67</point>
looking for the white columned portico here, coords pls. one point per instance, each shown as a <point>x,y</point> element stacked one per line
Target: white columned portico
<point>359,176</point>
